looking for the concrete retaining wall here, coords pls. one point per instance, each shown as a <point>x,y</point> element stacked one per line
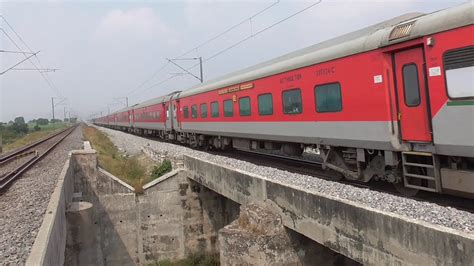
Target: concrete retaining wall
<point>174,217</point>
<point>50,242</point>
<point>366,235</point>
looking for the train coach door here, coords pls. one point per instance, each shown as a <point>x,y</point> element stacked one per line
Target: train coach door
<point>412,96</point>
<point>176,124</point>
<point>168,115</point>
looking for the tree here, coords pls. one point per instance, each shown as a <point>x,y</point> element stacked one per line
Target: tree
<point>42,121</point>
<point>19,126</point>
<point>19,120</point>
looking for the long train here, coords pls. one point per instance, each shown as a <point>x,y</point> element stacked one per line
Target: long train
<point>393,101</point>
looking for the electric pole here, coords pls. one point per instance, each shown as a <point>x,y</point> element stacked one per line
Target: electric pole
<point>200,68</point>
<point>120,100</point>
<point>52,106</point>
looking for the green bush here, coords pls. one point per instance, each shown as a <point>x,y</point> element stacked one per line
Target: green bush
<point>164,168</point>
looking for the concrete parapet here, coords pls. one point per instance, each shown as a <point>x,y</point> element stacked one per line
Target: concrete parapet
<point>50,242</point>
<point>359,232</point>
<point>161,179</point>
<point>87,146</point>
<point>109,183</point>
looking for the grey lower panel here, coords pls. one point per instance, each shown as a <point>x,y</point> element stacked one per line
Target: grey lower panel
<point>372,135</point>
<point>455,150</point>
<point>457,180</point>
<point>154,126</point>
<point>453,131</point>
<point>122,124</point>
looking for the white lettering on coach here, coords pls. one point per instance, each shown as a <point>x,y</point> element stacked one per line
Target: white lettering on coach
<point>435,71</point>
<point>378,79</point>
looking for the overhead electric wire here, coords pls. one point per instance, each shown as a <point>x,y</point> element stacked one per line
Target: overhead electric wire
<point>230,29</point>
<point>257,33</point>
<point>217,36</point>
<point>237,43</point>
<point>43,75</point>
<point>14,52</point>
<point>10,68</point>
<point>19,37</point>
<point>149,79</point>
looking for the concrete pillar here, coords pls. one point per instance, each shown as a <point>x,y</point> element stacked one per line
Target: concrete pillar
<point>85,174</point>
<point>81,244</point>
<point>257,237</point>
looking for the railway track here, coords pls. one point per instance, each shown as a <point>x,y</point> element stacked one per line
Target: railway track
<point>314,168</point>
<point>14,164</point>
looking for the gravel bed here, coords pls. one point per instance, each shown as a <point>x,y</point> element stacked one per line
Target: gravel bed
<point>22,206</point>
<point>418,210</point>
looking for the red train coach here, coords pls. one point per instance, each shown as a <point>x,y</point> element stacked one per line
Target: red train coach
<point>393,101</point>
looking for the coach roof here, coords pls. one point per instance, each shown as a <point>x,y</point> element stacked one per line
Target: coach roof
<point>363,40</point>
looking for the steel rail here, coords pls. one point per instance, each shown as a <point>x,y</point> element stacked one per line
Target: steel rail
<point>310,163</point>
<point>7,179</point>
<point>446,201</point>
<point>23,154</point>
<point>21,150</point>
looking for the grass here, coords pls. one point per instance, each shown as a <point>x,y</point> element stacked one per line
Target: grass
<point>33,136</point>
<point>134,170</point>
<point>48,127</point>
<point>192,260</point>
<point>159,170</point>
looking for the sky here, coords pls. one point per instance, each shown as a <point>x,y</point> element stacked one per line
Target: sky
<point>107,50</point>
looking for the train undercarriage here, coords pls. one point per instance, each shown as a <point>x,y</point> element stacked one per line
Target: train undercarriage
<point>409,172</point>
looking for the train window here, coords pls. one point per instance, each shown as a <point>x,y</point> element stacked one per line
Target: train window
<point>292,102</point>
<point>265,104</point>
<point>215,109</point>
<point>328,98</point>
<point>203,110</point>
<point>411,87</point>
<point>228,108</point>
<point>186,112</point>
<point>194,111</point>
<point>459,70</point>
<point>244,106</point>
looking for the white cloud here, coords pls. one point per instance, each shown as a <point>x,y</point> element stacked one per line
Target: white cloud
<point>137,22</point>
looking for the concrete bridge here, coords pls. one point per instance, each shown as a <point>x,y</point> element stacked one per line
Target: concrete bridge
<point>247,219</point>
<point>366,235</point>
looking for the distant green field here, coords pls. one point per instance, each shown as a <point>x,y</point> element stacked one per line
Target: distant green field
<point>18,141</point>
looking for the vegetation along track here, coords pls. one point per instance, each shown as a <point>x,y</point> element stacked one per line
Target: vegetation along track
<point>14,164</point>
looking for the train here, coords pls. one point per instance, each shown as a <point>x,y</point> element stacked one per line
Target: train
<point>391,102</point>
